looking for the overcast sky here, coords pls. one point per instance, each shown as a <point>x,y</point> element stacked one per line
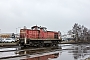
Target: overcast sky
<point>57,15</point>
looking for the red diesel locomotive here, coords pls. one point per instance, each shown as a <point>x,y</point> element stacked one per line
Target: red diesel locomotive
<point>39,37</point>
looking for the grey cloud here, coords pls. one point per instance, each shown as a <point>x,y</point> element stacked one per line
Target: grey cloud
<point>54,14</point>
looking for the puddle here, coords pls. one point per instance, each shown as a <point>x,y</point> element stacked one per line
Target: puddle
<point>78,52</point>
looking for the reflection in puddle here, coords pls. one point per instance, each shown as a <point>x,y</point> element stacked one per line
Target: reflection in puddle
<point>42,56</point>
<point>79,52</point>
<point>6,54</point>
<point>37,51</point>
<point>39,54</point>
<point>5,49</point>
<point>68,52</point>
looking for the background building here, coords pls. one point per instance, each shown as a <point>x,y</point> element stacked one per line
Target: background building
<point>7,35</point>
<point>67,37</point>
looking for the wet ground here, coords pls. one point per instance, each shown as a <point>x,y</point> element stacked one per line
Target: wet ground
<point>64,52</point>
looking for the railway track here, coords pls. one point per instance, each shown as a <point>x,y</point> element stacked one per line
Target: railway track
<point>18,48</point>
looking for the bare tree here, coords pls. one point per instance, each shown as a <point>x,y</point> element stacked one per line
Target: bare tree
<point>80,32</point>
<point>88,35</point>
<point>75,31</point>
<point>70,32</point>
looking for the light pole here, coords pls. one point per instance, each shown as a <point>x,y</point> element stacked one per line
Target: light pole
<point>17,31</point>
<point>0,33</point>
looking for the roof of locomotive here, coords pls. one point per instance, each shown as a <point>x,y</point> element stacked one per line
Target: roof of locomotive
<point>29,29</point>
<point>52,31</point>
<point>38,29</point>
<point>35,26</point>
